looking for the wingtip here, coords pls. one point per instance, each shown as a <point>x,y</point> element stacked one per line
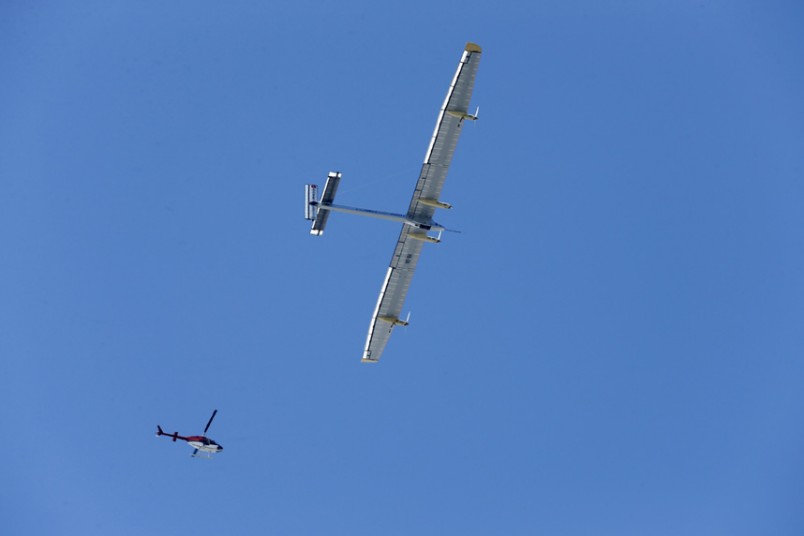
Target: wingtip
<point>473,47</point>
<point>367,360</point>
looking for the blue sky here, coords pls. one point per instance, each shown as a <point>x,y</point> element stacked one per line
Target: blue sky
<point>612,346</point>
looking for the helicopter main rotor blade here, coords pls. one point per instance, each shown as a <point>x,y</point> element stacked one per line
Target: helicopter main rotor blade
<point>210,420</point>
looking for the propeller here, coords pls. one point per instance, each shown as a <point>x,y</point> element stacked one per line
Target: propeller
<point>210,420</point>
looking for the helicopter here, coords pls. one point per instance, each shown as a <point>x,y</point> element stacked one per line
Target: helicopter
<point>199,442</point>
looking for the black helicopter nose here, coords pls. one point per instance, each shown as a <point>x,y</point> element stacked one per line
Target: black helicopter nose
<point>220,448</point>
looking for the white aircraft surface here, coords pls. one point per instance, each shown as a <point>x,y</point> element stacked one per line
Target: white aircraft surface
<point>417,223</point>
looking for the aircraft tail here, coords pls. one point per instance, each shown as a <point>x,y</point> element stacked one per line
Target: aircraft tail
<point>314,209</point>
<point>174,436</point>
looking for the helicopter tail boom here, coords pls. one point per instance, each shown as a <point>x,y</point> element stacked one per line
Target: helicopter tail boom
<point>174,436</point>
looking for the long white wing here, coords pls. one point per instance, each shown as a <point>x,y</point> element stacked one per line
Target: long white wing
<point>454,112</point>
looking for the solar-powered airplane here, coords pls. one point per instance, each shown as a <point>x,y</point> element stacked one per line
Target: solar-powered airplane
<point>417,222</point>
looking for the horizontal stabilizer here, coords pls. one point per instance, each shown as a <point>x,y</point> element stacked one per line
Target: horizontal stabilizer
<point>333,180</point>
<point>320,216</point>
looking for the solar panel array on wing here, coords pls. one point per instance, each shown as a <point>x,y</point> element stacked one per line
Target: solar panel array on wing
<point>438,157</point>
